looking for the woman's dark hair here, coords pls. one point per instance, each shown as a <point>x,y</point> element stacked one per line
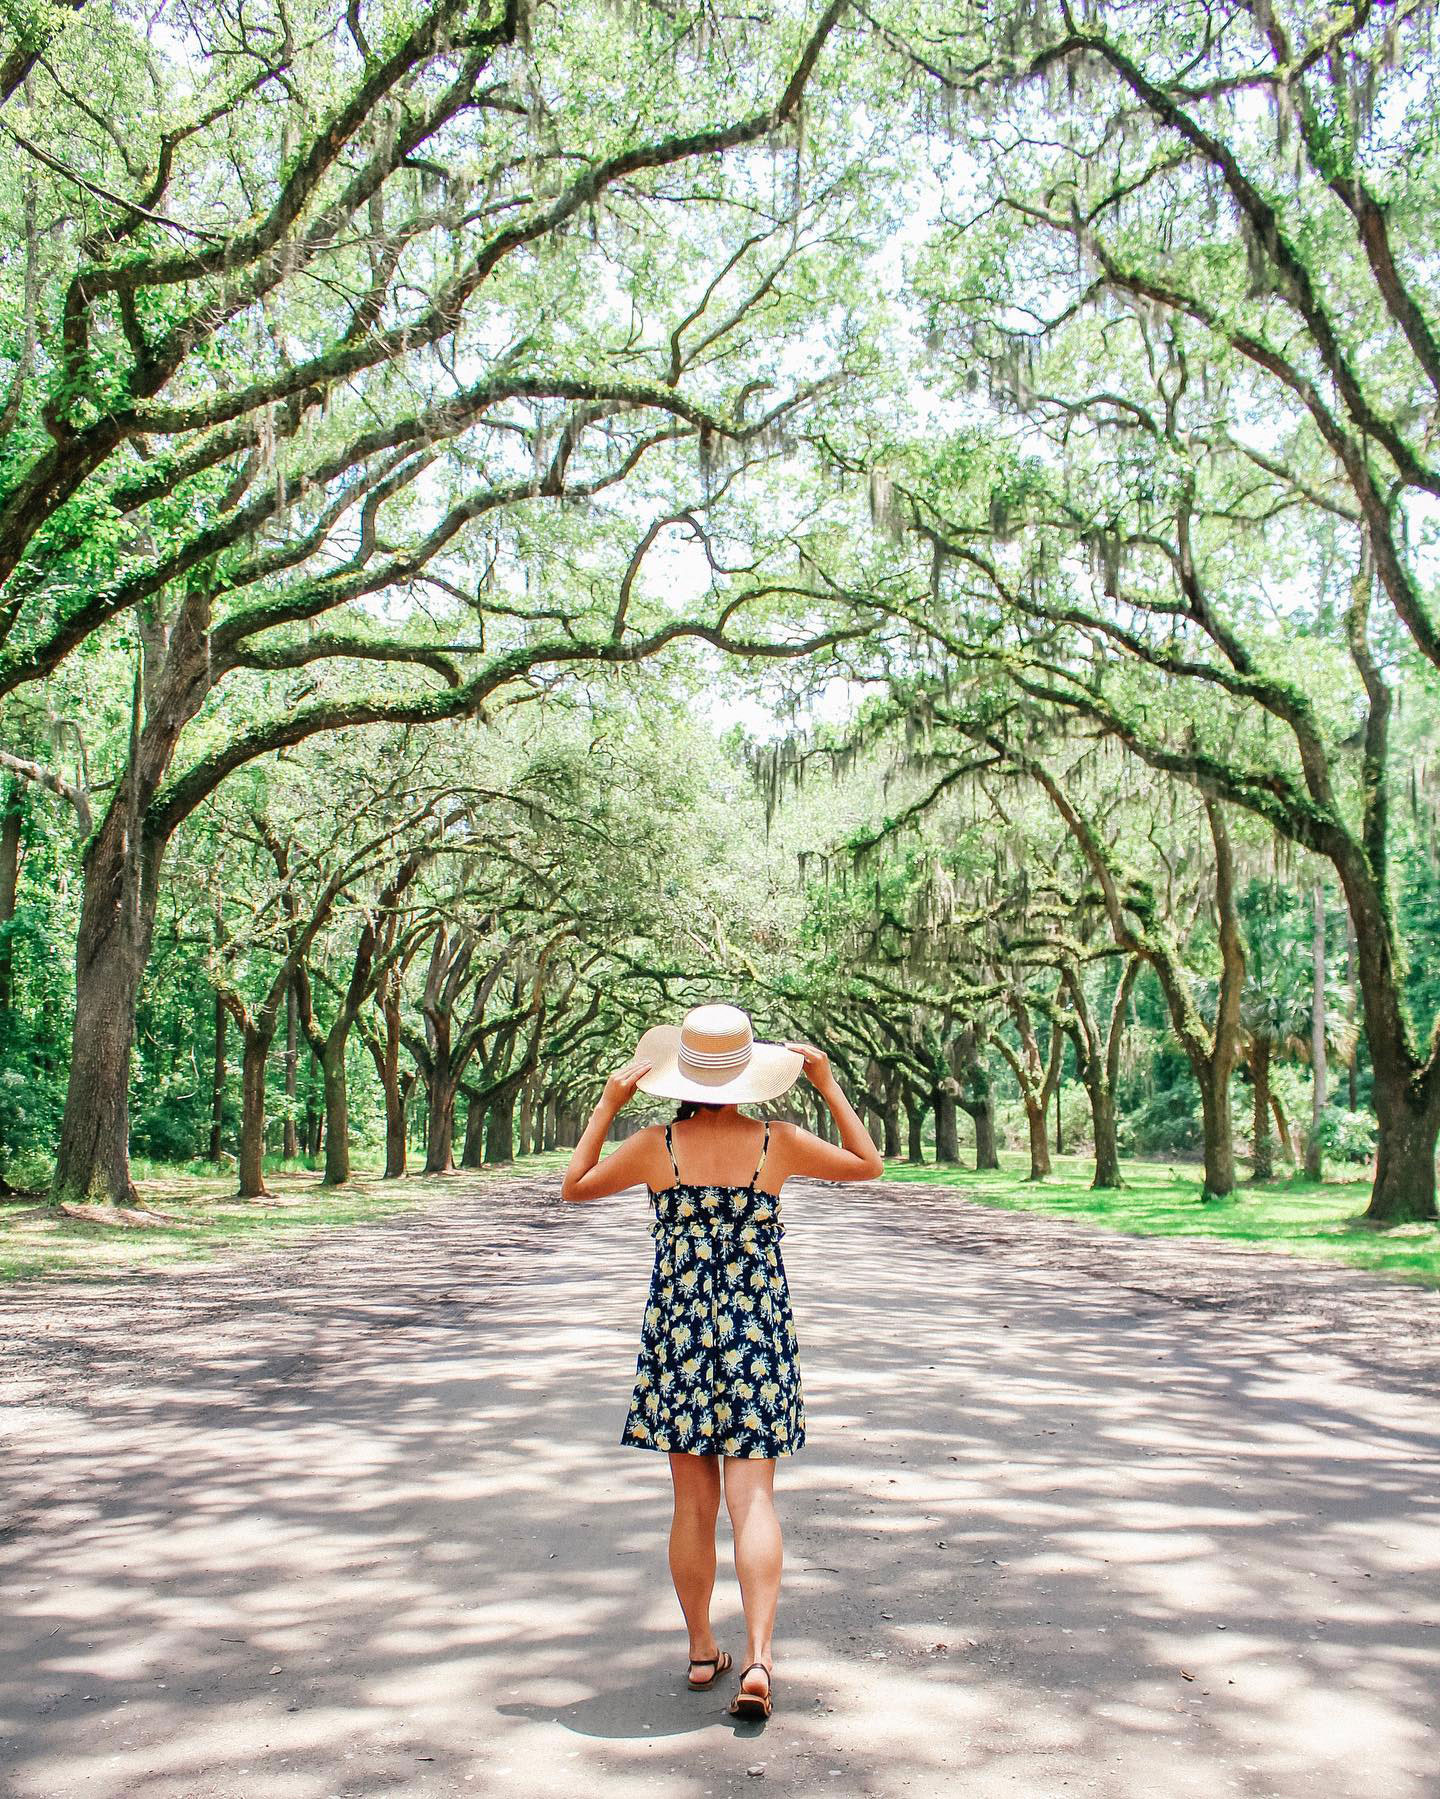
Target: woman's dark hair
<point>689,1107</point>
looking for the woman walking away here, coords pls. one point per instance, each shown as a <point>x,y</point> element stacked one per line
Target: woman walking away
<point>717,1380</point>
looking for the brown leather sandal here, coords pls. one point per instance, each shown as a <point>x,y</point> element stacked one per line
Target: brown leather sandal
<point>719,1662</point>
<point>751,1705</point>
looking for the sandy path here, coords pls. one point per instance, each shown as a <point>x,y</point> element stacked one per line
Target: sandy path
<point>353,1518</point>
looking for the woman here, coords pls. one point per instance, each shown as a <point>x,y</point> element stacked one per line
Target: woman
<point>717,1378</point>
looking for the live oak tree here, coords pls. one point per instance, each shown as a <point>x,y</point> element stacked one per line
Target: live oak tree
<point>301,326</point>
<point>1185,252</point>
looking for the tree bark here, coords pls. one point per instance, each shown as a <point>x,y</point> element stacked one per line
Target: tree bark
<point>1282,1125</point>
<point>252,1112</point>
<point>500,1128</point>
<point>291,1147</point>
<point>1038,1126</point>
<point>337,1111</point>
<point>1107,1151</point>
<point>384,1050</point>
<point>891,1118</point>
<point>314,1116</point>
<point>473,1152</point>
<point>947,1135</point>
<point>1314,1155</point>
<point>987,1154</point>
<point>1263,1153</point>
<point>217,1080</point>
<point>1352,1071</point>
<point>117,923</point>
<point>973,1093</point>
<point>1097,1060</point>
<point>440,1127</point>
<point>395,1136</point>
<point>12,815</point>
<point>1404,1092</point>
<point>1405,1157</point>
<point>1219,1133</point>
<point>914,1128</point>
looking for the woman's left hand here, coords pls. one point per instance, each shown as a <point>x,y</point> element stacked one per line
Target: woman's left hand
<point>620,1088</point>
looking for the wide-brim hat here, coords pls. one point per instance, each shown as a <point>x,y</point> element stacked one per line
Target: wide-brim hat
<point>715,1059</point>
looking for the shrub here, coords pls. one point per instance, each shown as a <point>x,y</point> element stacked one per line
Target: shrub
<point>1346,1136</point>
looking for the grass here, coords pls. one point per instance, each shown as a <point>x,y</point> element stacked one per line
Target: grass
<point>36,1241</point>
<point>1318,1220</point>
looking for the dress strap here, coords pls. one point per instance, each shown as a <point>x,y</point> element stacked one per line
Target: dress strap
<point>764,1151</point>
<point>670,1151</point>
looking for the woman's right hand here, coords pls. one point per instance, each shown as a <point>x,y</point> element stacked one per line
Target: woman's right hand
<point>817,1064</point>
<point>620,1088</point>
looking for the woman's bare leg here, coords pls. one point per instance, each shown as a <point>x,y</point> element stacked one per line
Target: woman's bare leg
<point>692,1547</point>
<point>750,1501</point>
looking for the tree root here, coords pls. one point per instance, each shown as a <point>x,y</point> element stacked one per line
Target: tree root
<point>138,1216</point>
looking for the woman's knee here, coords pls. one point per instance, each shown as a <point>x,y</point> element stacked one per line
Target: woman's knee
<point>697,1484</point>
<point>749,1481</point>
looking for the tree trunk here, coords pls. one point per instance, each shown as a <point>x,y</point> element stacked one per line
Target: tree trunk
<point>12,815</point>
<point>112,946</point>
<point>217,1080</point>
<point>1219,1134</point>
<point>987,1155</point>
<point>527,1119</point>
<point>1039,1139</point>
<point>252,1113</point>
<point>291,1147</point>
<point>1314,1155</point>
<point>337,1112</point>
<point>1404,1188</point>
<point>1263,1157</point>
<point>1352,1071</point>
<point>473,1153</point>
<point>117,921</point>
<point>1107,1151</point>
<point>1282,1125</point>
<point>947,1136</point>
<point>975,1095</point>
<point>314,1118</point>
<point>440,1128</point>
<point>551,1131</point>
<point>386,1055</point>
<point>500,1128</point>
<point>915,1129</point>
<point>1405,1089</point>
<point>891,1118</point>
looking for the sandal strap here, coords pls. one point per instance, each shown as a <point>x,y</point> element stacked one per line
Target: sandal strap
<point>706,1661</point>
<point>745,1671</point>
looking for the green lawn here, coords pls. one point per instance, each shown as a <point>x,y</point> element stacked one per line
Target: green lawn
<point>36,1241</point>
<point>1298,1217</point>
<point>1295,1217</point>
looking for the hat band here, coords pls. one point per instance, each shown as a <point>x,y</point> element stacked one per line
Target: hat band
<point>706,1059</point>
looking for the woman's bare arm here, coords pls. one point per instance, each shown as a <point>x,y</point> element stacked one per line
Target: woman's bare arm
<point>854,1158</point>
<point>633,1161</point>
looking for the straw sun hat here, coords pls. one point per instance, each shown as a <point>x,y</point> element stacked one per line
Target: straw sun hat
<point>714,1058</point>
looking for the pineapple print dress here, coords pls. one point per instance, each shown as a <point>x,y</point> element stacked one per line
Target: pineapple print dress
<point>718,1370</point>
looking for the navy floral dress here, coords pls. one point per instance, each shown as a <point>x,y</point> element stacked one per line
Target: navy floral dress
<point>717,1371</point>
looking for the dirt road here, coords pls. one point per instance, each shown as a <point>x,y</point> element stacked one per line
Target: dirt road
<point>1077,1515</point>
